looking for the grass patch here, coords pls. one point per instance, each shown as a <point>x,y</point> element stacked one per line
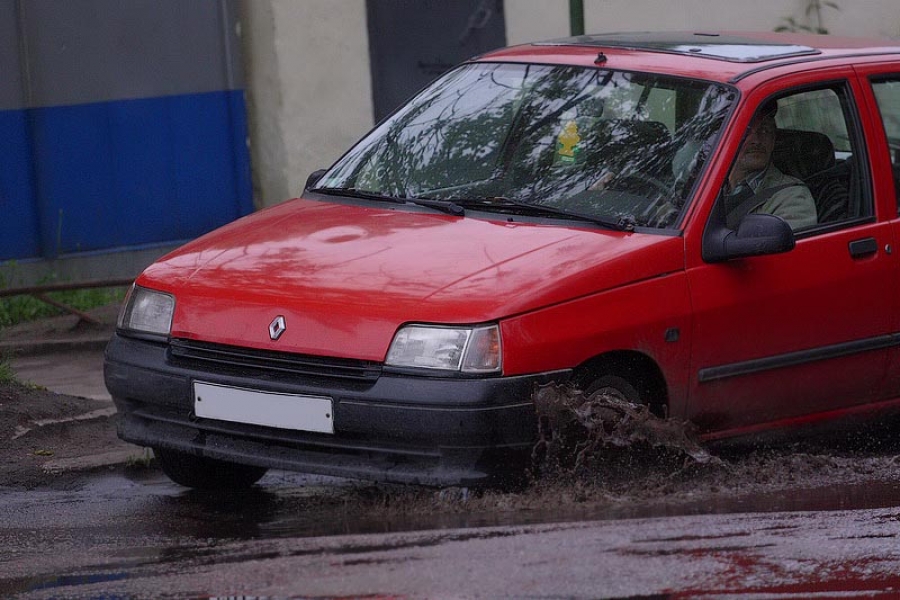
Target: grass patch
<point>140,462</point>
<point>7,375</point>
<point>21,309</point>
<point>25,308</point>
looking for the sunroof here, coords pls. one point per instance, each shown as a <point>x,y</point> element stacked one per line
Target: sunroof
<point>708,45</point>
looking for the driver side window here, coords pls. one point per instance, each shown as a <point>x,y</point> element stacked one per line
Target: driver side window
<point>799,161</point>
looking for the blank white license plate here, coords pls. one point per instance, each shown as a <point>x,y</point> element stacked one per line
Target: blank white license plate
<point>285,411</point>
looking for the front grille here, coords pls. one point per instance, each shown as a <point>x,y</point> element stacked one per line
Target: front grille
<point>234,357</point>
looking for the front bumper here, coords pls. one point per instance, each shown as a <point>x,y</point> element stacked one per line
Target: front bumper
<point>399,428</point>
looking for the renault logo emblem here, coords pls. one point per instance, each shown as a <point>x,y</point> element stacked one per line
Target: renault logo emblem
<point>277,327</point>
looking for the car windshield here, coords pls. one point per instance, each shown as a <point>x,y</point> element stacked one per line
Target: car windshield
<point>607,145</point>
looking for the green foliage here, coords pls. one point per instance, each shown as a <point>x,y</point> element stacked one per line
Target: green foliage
<point>812,21</point>
<point>21,309</point>
<point>139,462</point>
<point>7,375</point>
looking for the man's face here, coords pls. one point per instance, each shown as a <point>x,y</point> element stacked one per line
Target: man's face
<point>758,146</point>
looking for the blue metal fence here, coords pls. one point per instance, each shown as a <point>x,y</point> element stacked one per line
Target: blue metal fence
<point>125,127</point>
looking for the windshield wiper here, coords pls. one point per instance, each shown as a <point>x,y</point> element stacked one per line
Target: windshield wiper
<point>451,208</point>
<point>623,223</point>
<point>446,206</point>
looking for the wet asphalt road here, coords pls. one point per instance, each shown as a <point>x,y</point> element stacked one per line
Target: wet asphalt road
<point>125,538</point>
<point>111,536</point>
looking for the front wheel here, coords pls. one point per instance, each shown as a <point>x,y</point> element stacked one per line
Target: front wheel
<point>615,386</point>
<point>627,384</point>
<point>206,473</point>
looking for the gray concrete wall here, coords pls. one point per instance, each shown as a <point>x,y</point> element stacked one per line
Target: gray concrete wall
<point>309,88</point>
<point>529,20</point>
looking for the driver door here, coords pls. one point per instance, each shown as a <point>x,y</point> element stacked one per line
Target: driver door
<point>786,338</point>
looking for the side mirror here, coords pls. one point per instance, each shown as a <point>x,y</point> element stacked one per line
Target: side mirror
<point>756,235</point>
<point>314,178</point>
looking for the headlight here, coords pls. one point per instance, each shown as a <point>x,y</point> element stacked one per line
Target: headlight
<point>461,349</point>
<point>147,311</point>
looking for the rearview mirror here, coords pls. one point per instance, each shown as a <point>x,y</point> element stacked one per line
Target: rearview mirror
<point>756,235</point>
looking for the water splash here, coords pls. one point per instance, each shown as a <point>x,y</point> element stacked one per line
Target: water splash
<point>598,435</point>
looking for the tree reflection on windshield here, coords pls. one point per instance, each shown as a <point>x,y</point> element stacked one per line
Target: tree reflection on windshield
<point>607,144</point>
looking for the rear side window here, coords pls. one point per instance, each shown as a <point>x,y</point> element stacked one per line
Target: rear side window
<point>816,110</point>
<point>818,143</point>
<point>887,93</point>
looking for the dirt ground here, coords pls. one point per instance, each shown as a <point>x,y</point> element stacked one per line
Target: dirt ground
<point>41,446</point>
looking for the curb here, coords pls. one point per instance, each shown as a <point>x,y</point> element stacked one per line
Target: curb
<point>112,458</point>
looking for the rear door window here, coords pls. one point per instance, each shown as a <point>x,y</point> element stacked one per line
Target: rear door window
<point>887,94</point>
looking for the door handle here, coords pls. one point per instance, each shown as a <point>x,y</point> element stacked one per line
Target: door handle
<point>863,247</point>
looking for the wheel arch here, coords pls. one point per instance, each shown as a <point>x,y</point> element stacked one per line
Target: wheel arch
<point>637,368</point>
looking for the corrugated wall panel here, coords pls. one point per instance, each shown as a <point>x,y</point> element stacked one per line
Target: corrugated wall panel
<point>134,172</point>
<point>18,212</point>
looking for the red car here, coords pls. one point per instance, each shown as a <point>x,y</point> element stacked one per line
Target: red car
<point>701,222</point>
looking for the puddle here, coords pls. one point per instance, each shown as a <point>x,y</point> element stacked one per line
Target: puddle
<point>36,584</point>
<point>149,525</point>
<point>278,513</point>
<point>274,512</point>
<point>600,460</point>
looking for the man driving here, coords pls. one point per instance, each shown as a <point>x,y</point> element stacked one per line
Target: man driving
<point>756,185</point>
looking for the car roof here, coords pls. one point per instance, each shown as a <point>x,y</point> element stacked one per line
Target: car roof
<point>721,56</point>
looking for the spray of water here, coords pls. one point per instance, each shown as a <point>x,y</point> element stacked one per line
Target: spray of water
<point>598,436</point>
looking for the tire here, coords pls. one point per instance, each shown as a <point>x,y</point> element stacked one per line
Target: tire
<point>615,386</point>
<point>206,473</point>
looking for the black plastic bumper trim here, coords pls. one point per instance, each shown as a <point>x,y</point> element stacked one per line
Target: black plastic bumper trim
<point>419,425</point>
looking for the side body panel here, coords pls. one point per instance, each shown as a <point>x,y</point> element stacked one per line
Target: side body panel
<point>651,317</point>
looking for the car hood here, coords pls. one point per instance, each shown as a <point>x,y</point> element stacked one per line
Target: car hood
<point>345,276</point>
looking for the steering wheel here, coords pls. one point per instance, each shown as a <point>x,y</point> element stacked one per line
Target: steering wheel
<point>660,212</point>
<point>641,178</point>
